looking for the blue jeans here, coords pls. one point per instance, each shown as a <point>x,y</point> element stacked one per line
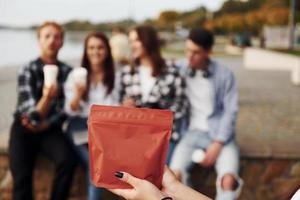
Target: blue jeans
<point>76,125</point>
<point>171,149</point>
<point>227,161</point>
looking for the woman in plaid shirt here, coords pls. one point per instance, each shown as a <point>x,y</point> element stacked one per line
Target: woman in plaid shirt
<point>149,82</point>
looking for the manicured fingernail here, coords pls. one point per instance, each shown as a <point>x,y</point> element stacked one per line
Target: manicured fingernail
<point>119,174</point>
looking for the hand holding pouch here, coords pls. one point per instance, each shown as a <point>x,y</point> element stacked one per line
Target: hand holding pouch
<point>134,140</point>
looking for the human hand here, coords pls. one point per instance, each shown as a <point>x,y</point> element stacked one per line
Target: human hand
<point>50,91</point>
<point>129,102</point>
<point>172,187</point>
<point>169,182</point>
<point>212,154</point>
<point>80,89</point>
<point>33,128</point>
<point>142,189</point>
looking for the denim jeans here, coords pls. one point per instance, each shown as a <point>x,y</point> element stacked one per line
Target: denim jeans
<point>76,125</point>
<point>171,149</point>
<point>226,163</point>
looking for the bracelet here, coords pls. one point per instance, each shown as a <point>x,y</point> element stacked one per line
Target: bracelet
<point>167,198</point>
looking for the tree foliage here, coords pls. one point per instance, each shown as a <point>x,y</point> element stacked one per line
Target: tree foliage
<point>233,16</point>
<point>236,16</point>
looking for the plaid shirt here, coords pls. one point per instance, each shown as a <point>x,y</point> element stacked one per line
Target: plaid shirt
<point>167,93</point>
<point>30,91</point>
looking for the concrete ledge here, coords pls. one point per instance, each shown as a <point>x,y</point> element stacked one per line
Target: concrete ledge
<point>259,59</point>
<point>42,180</point>
<point>273,147</point>
<point>264,179</point>
<point>233,50</point>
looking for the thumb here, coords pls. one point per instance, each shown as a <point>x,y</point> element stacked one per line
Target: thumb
<point>128,178</point>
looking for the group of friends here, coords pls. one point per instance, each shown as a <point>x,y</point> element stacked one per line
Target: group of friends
<point>52,120</point>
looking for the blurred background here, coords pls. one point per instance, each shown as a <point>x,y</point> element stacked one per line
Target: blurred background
<point>258,39</point>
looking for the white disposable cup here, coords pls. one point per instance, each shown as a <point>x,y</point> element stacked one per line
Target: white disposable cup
<point>198,155</point>
<point>80,75</point>
<point>296,195</point>
<point>50,75</point>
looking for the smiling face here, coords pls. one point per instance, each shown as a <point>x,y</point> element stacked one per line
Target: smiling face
<point>196,55</point>
<point>96,52</point>
<point>50,41</point>
<point>137,48</point>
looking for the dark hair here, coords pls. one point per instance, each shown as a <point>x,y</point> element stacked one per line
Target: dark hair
<point>109,72</point>
<point>202,37</point>
<point>151,43</point>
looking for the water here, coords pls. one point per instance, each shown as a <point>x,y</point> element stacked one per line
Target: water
<point>17,47</point>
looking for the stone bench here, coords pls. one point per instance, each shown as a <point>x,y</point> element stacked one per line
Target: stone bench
<point>260,59</point>
<point>264,177</point>
<point>233,50</point>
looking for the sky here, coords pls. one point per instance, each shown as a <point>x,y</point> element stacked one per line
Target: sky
<point>32,12</point>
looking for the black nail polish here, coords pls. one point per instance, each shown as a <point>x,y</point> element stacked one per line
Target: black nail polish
<point>119,174</point>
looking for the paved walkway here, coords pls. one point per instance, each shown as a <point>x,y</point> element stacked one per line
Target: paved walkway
<point>269,117</point>
<point>8,98</point>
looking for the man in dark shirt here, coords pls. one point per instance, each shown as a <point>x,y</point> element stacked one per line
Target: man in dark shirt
<point>37,125</point>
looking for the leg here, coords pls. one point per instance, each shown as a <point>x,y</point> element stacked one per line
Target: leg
<point>171,149</point>
<point>228,182</point>
<point>77,130</point>
<point>23,149</point>
<point>57,148</point>
<point>75,126</point>
<point>227,167</point>
<point>94,193</point>
<point>181,160</point>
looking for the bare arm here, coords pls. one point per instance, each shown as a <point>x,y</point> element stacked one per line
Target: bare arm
<point>75,102</point>
<point>174,188</point>
<point>143,189</point>
<point>43,104</point>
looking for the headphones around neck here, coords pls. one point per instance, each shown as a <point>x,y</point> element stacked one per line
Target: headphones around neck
<point>205,74</point>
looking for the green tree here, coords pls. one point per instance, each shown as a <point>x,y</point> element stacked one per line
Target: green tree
<point>167,19</point>
<point>234,6</point>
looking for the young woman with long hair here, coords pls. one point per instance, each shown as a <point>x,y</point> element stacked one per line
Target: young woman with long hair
<point>97,89</point>
<point>149,82</point>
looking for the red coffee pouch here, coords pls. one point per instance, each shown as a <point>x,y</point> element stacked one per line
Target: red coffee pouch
<point>133,140</point>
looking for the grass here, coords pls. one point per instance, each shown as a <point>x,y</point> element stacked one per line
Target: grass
<point>168,50</point>
<point>292,52</point>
